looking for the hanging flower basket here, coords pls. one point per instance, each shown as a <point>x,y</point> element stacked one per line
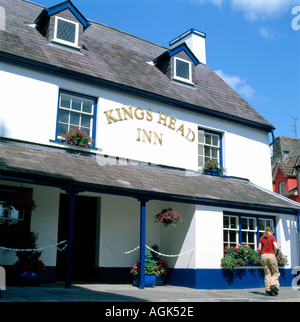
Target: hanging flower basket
<point>20,202</point>
<point>168,217</point>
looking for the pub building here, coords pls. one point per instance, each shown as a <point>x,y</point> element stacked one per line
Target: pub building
<point>153,117</point>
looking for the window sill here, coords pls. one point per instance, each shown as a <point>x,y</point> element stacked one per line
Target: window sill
<point>76,147</point>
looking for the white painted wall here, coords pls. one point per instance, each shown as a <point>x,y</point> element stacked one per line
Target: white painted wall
<point>44,220</point>
<point>287,236</point>
<point>209,236</point>
<point>29,112</point>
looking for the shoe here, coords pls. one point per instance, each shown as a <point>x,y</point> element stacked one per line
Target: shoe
<point>274,290</point>
<point>269,293</point>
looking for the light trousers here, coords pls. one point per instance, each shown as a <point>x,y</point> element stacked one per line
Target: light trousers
<point>270,265</point>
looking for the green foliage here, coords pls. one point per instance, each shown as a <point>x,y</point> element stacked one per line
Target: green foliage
<point>244,255</point>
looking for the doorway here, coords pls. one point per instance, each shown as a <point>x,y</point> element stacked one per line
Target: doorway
<point>84,246</point>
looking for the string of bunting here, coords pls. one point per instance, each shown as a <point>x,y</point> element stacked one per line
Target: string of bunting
<point>161,254</point>
<point>38,249</point>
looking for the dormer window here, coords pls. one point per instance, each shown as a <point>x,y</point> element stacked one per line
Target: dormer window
<point>66,32</point>
<point>178,64</point>
<point>62,25</point>
<point>182,70</point>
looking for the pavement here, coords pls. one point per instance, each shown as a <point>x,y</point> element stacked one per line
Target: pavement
<point>118,293</point>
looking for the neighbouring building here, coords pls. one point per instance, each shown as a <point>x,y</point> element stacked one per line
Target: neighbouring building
<point>155,115</point>
<point>285,178</point>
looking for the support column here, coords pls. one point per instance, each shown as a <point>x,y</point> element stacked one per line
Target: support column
<point>142,242</point>
<point>70,240</point>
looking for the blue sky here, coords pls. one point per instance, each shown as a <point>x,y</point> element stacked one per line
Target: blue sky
<point>251,44</point>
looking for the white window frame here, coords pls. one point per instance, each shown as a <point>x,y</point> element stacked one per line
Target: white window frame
<point>190,71</point>
<point>248,230</point>
<point>234,230</point>
<point>282,188</point>
<point>202,145</point>
<point>64,42</point>
<point>70,110</point>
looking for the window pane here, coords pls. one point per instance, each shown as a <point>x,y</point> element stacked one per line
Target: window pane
<point>214,153</point>
<point>62,128</point>
<point>226,222</point>
<point>200,149</point>
<point>244,237</point>
<point>262,224</point>
<point>74,120</point>
<point>225,236</point>
<point>244,223</point>
<point>233,222</point>
<point>207,138</point>
<point>251,237</point>
<point>200,161</point>
<point>232,235</point>
<point>201,136</point>
<point>65,100</point>
<point>87,106</point>
<point>251,224</point>
<point>76,104</point>
<point>182,69</point>
<point>85,121</point>
<point>64,116</point>
<point>66,30</point>
<point>207,151</point>
<point>270,223</point>
<point>215,140</point>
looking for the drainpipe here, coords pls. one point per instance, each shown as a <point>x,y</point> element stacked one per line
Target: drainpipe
<point>273,137</point>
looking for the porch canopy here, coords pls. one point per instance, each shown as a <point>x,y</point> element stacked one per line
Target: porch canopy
<point>74,171</point>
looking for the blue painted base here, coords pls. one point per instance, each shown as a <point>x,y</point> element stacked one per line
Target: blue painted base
<point>225,279</point>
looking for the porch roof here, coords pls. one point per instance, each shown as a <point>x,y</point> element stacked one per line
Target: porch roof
<point>69,170</point>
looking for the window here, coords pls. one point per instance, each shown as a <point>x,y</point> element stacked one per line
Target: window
<point>182,70</point>
<point>209,145</point>
<point>15,206</point>
<point>248,228</point>
<point>231,230</point>
<point>282,188</point>
<point>66,32</point>
<point>77,112</point>
<point>244,229</point>
<point>10,214</point>
<point>263,223</point>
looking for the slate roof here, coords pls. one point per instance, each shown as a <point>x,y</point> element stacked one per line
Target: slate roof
<point>67,168</point>
<point>114,58</point>
<point>287,167</point>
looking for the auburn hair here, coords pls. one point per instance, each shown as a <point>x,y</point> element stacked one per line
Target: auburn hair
<point>267,231</point>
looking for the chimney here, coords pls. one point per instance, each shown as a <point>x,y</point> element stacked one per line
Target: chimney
<point>195,40</point>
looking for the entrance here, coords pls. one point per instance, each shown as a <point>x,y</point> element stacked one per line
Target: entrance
<point>84,246</point>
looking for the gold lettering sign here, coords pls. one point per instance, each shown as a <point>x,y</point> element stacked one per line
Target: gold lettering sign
<point>139,113</point>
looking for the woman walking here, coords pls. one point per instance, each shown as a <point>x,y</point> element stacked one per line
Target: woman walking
<point>267,246</point>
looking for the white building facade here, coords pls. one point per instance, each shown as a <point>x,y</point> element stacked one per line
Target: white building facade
<point>155,120</point>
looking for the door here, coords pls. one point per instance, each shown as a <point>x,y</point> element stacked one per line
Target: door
<point>84,247</point>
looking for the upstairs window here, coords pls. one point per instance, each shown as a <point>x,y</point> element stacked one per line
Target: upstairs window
<point>209,147</point>
<point>282,188</point>
<point>77,112</point>
<point>182,70</point>
<point>66,32</point>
